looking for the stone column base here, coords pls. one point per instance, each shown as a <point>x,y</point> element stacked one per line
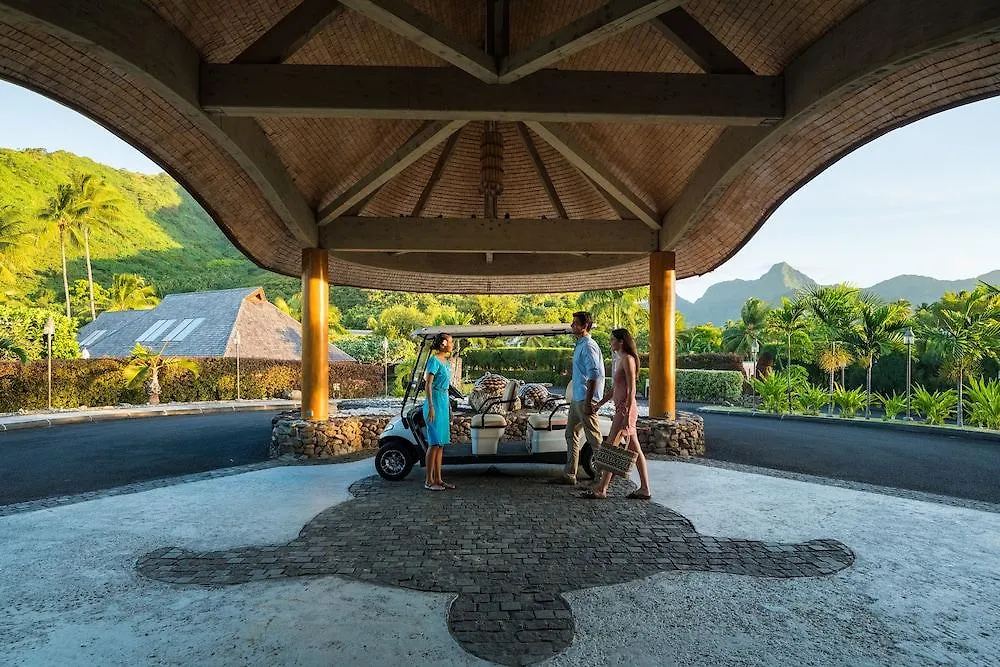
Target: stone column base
<point>684,436</point>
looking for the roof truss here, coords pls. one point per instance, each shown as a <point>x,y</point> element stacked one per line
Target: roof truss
<point>290,33</point>
<point>698,44</point>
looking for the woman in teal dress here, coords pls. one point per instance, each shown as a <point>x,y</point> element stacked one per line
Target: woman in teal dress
<point>437,411</point>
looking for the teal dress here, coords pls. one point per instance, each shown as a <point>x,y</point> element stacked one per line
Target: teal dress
<point>438,431</point>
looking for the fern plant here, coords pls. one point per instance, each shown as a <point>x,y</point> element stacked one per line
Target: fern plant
<point>848,401</point>
<point>934,407</point>
<point>813,399</point>
<point>773,392</point>
<point>891,405</point>
<point>983,403</point>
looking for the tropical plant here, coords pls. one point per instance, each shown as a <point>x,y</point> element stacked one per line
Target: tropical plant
<point>98,207</point>
<point>812,399</point>
<point>934,407</point>
<point>702,339</point>
<point>788,321</point>
<point>144,368</point>
<point>877,329</point>
<point>848,401</point>
<point>62,212</point>
<point>891,405</point>
<point>773,390</point>
<point>622,306</point>
<point>834,307</point>
<point>739,336</point>
<point>11,348</point>
<point>13,232</point>
<point>130,292</point>
<point>963,328</point>
<point>984,403</point>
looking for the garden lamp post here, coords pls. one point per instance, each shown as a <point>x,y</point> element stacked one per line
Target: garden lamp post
<point>754,351</point>
<point>49,332</point>
<point>385,364</point>
<point>236,342</point>
<point>909,339</point>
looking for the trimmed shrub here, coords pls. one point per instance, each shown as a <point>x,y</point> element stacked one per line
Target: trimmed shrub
<point>707,386</point>
<point>713,361</point>
<point>96,382</point>
<point>497,359</point>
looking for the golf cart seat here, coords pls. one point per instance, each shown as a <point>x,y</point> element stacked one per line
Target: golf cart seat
<point>546,428</point>
<point>488,427</point>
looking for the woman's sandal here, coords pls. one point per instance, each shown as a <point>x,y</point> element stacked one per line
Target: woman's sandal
<point>433,487</point>
<point>591,495</point>
<point>635,495</point>
<point>447,485</point>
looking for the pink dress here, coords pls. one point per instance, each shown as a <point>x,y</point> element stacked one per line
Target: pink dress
<point>626,413</point>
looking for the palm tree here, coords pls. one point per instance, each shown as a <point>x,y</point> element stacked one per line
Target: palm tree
<point>99,207</point>
<point>788,321</point>
<point>13,230</point>
<point>834,306</point>
<point>624,306</point>
<point>739,337</point>
<point>130,292</point>
<point>877,329</point>
<point>963,329</point>
<point>701,339</point>
<point>144,370</point>
<point>62,212</point>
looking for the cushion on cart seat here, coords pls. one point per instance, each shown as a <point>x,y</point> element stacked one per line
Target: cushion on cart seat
<point>488,420</point>
<point>540,421</point>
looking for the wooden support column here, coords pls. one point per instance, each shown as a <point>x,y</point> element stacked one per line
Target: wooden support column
<point>315,335</point>
<point>662,335</point>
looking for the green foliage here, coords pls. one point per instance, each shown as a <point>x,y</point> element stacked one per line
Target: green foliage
<point>773,392</point>
<point>130,292</point>
<point>94,382</point>
<point>711,361</point>
<point>399,322</point>
<point>739,337</point>
<point>934,407</point>
<point>848,401</point>
<point>709,386</point>
<point>368,349</point>
<point>24,326</point>
<point>616,308</point>
<point>702,339</point>
<point>983,403</point>
<point>10,349</point>
<point>811,399</point>
<point>891,405</point>
<point>145,365</point>
<point>557,360</point>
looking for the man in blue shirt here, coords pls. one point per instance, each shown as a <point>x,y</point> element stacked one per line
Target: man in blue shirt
<point>588,386</point>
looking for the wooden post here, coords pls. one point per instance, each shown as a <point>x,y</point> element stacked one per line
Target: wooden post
<point>662,336</point>
<point>315,335</point>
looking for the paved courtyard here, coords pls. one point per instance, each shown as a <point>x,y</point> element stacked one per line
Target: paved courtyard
<point>391,573</point>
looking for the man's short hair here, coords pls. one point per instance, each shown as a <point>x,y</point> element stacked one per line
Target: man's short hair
<point>585,319</point>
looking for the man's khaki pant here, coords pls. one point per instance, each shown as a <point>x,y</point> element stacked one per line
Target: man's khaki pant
<point>576,421</point>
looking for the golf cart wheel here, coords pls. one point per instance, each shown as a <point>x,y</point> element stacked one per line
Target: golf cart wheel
<point>394,461</point>
<point>587,454</point>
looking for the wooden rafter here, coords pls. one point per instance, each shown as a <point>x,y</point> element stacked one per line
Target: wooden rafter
<point>426,138</point>
<point>479,235</point>
<point>698,43</point>
<point>291,33</point>
<point>612,18</point>
<point>407,21</point>
<point>557,137</point>
<point>442,161</point>
<point>543,173</point>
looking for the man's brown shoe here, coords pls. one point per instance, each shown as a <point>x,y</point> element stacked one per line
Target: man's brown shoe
<point>563,480</point>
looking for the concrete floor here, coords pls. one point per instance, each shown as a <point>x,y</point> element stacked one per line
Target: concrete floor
<point>922,590</point>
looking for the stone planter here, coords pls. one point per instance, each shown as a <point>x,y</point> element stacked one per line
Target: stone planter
<point>684,436</point>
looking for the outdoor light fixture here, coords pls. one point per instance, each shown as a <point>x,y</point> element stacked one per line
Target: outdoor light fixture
<point>236,342</point>
<point>909,339</point>
<point>754,351</point>
<point>385,364</point>
<point>49,332</point>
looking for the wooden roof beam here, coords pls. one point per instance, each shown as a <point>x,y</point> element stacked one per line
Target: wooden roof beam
<point>426,138</point>
<point>557,137</point>
<point>407,21</point>
<point>543,173</point>
<point>698,44</point>
<point>442,162</point>
<point>478,235</point>
<point>588,30</point>
<point>441,93</point>
<point>292,32</point>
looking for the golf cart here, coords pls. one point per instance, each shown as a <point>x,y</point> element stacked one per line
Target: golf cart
<point>403,443</point>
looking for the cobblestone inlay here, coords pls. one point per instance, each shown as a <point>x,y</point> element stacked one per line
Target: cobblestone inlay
<point>507,546</point>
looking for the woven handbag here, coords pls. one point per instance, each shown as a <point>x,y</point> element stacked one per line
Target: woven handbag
<point>617,460</point>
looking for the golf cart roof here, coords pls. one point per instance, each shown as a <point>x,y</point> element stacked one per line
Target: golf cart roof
<point>494,331</point>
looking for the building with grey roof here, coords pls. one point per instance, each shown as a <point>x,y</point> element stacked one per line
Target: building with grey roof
<point>201,324</point>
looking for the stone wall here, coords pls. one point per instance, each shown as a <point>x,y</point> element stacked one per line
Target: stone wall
<point>291,434</point>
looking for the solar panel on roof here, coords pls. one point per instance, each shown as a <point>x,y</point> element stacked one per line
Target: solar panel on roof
<point>188,329</point>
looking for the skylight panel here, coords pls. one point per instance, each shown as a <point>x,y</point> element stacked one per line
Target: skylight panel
<point>173,334</point>
<point>152,332</point>
<point>89,340</point>
<point>189,328</point>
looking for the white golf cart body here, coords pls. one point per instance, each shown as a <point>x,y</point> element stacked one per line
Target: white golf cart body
<point>402,443</point>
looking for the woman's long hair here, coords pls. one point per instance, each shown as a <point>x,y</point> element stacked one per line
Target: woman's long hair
<point>628,345</point>
<point>439,340</point>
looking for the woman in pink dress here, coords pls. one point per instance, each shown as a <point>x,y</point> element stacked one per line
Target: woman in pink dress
<point>626,412</point>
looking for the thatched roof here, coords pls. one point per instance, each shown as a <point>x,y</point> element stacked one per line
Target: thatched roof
<point>626,125</point>
<point>201,324</point>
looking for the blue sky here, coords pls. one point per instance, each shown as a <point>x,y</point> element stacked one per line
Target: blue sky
<point>924,199</point>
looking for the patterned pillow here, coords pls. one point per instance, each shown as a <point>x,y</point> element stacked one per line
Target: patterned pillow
<point>533,395</point>
<point>486,388</point>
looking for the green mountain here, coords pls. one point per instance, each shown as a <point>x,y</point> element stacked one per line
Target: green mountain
<point>921,289</point>
<point>164,236</point>
<point>723,301</point>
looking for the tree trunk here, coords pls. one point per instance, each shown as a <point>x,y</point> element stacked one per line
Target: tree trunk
<point>832,370</point>
<point>788,373</point>
<point>62,250</point>
<point>868,396</point>
<point>153,387</point>
<point>960,378</point>
<point>90,273</point>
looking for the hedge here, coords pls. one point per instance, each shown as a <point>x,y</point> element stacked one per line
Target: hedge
<point>96,382</point>
<point>709,386</point>
<point>555,359</point>
<point>712,361</point>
